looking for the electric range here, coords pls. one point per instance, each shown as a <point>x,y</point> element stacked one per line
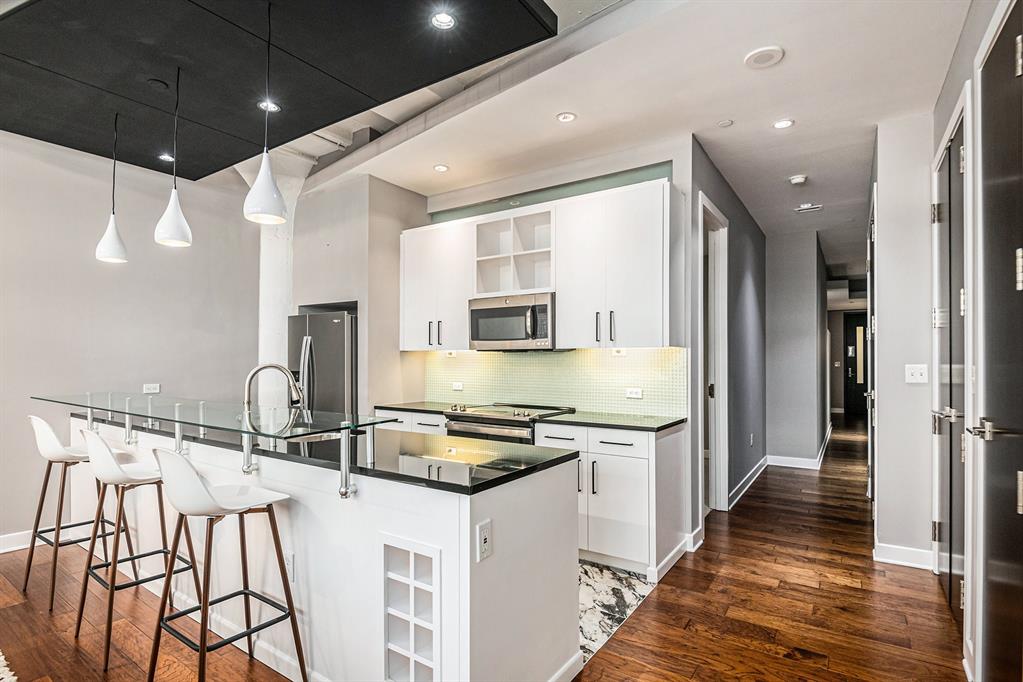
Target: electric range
<point>499,421</point>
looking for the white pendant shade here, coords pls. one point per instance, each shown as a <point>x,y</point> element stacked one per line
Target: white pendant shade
<point>110,248</point>
<point>173,229</point>
<point>264,202</point>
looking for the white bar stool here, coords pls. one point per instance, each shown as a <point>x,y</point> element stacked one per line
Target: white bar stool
<point>191,496</point>
<point>55,452</point>
<point>124,477</point>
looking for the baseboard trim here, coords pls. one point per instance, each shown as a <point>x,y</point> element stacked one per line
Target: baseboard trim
<point>12,542</point>
<point>654,575</point>
<point>695,539</point>
<point>904,556</point>
<point>572,667</point>
<point>745,483</point>
<point>802,462</point>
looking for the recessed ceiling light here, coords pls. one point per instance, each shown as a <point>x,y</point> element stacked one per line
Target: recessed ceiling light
<point>267,105</point>
<point>807,208</point>
<point>566,116</point>
<point>726,123</point>
<point>166,157</point>
<point>764,57</point>
<point>441,168</point>
<point>798,179</point>
<point>443,21</point>
<point>784,123</point>
<point>514,202</point>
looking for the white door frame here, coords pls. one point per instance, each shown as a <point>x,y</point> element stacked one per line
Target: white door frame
<point>714,224</point>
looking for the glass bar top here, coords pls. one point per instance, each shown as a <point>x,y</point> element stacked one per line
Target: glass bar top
<point>285,423</point>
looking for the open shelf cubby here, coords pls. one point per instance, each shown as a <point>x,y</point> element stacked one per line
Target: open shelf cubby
<point>410,605</point>
<point>514,254</point>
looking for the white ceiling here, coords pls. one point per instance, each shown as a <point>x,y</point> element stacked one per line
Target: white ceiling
<point>848,65</point>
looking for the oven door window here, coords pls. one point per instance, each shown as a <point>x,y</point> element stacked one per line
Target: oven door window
<point>500,324</point>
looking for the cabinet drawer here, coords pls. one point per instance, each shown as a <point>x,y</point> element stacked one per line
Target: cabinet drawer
<point>404,422</point>
<point>618,442</point>
<point>560,436</point>
<point>422,422</point>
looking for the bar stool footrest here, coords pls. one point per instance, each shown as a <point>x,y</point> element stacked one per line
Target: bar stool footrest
<point>94,569</point>
<point>194,646</point>
<point>74,541</point>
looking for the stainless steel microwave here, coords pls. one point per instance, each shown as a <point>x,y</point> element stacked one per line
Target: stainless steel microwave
<point>512,322</point>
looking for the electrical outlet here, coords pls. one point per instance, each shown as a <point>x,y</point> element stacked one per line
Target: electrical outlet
<point>289,566</point>
<point>449,353</point>
<point>150,388</point>
<point>457,386</point>
<point>618,352</point>
<point>751,440</point>
<point>484,540</point>
<point>634,393</point>
<point>916,374</point>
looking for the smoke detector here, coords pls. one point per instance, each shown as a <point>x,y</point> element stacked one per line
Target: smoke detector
<point>798,179</point>
<point>764,57</point>
<point>807,208</point>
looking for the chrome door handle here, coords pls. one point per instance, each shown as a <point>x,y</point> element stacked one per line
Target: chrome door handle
<point>987,430</point>
<point>558,438</point>
<point>593,477</point>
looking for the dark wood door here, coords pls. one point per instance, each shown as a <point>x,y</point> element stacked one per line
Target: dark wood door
<point>1000,356</point>
<point>854,353</point>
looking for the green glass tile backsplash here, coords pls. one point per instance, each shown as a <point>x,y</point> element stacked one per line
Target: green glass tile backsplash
<point>589,380</point>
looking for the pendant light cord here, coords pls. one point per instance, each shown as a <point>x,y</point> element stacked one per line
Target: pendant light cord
<point>113,174</point>
<point>177,97</point>
<point>266,113</point>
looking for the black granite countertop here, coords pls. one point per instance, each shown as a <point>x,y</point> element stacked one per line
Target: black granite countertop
<point>460,465</point>
<point>607,420</point>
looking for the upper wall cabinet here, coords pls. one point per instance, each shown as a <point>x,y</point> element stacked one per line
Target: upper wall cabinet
<point>612,268</point>
<point>437,264</point>
<point>604,254</point>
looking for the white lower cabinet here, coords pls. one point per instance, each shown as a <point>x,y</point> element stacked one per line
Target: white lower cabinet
<point>422,422</point>
<point>617,506</point>
<point>582,481</point>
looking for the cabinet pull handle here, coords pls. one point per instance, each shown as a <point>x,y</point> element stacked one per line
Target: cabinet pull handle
<point>612,326</point>
<point>612,442</point>
<point>579,475</point>
<point>429,332</point>
<point>439,341</point>
<point>428,424</point>
<point>598,326</point>
<point>438,471</point>
<point>559,438</point>
<point>429,471</point>
<point>593,477</point>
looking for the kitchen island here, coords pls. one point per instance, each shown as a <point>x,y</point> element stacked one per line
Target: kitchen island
<point>453,559</point>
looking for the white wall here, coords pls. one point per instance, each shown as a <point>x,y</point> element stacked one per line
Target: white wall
<point>902,271</point>
<point>183,317</point>
<point>346,248</point>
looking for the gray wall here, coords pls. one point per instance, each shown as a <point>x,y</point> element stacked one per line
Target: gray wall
<point>823,414</point>
<point>836,324</point>
<point>960,69</point>
<point>186,318</point>
<point>746,318</point>
<point>793,346</point>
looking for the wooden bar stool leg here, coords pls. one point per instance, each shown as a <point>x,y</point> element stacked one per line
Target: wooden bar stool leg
<point>127,541</point>
<point>287,590</point>
<point>103,525</point>
<point>245,578</point>
<point>96,524</point>
<point>204,609</point>
<point>164,596</point>
<point>35,524</point>
<point>163,536</point>
<point>191,560</point>
<point>112,575</point>
<point>56,530</point>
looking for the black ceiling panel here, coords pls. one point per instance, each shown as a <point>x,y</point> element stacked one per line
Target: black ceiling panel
<point>67,65</point>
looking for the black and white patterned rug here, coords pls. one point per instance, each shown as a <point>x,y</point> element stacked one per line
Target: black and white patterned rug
<point>607,596</point>
<point>6,674</point>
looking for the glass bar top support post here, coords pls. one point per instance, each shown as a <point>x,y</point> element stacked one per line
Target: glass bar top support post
<point>347,488</point>
<point>129,437</point>
<point>203,431</point>
<point>179,437</point>
<point>371,453</point>
<point>89,414</point>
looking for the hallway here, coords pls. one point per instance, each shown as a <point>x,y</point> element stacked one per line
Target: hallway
<point>785,587</point>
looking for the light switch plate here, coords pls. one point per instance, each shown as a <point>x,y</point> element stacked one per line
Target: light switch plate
<point>484,540</point>
<point>916,374</point>
<point>457,386</point>
<point>634,393</point>
<point>150,388</point>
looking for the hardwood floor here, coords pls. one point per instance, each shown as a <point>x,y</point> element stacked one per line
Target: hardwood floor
<point>40,646</point>
<point>785,588</point>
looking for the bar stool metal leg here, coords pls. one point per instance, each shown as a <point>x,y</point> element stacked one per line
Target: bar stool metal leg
<point>56,530</point>
<point>287,590</point>
<point>245,579</point>
<point>162,609</point>
<point>35,524</point>
<point>88,556</point>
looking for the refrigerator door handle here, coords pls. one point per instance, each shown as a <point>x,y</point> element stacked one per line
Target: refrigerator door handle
<point>305,370</point>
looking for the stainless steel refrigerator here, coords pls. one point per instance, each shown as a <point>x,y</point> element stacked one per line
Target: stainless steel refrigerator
<point>322,354</point>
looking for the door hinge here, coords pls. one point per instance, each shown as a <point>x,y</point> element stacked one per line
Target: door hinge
<point>935,214</point>
<point>962,594</point>
<point>962,303</point>
<point>873,324</point>
<point>873,416</point>
<point>962,447</point>
<point>873,230</point>
<point>1019,492</point>
<point>1019,269</point>
<point>935,525</point>
<point>962,159</point>
<point>1019,56</point>
<point>710,390</point>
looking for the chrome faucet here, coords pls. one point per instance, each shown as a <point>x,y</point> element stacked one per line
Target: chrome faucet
<point>295,399</point>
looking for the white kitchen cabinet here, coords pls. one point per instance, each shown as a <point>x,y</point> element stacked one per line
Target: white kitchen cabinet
<point>403,420</point>
<point>423,422</point>
<point>617,507</point>
<point>437,264</point>
<point>583,493</point>
<point>612,268</point>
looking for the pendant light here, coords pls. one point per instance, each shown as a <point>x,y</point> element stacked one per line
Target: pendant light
<point>110,248</point>
<point>264,203</point>
<point>172,229</point>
